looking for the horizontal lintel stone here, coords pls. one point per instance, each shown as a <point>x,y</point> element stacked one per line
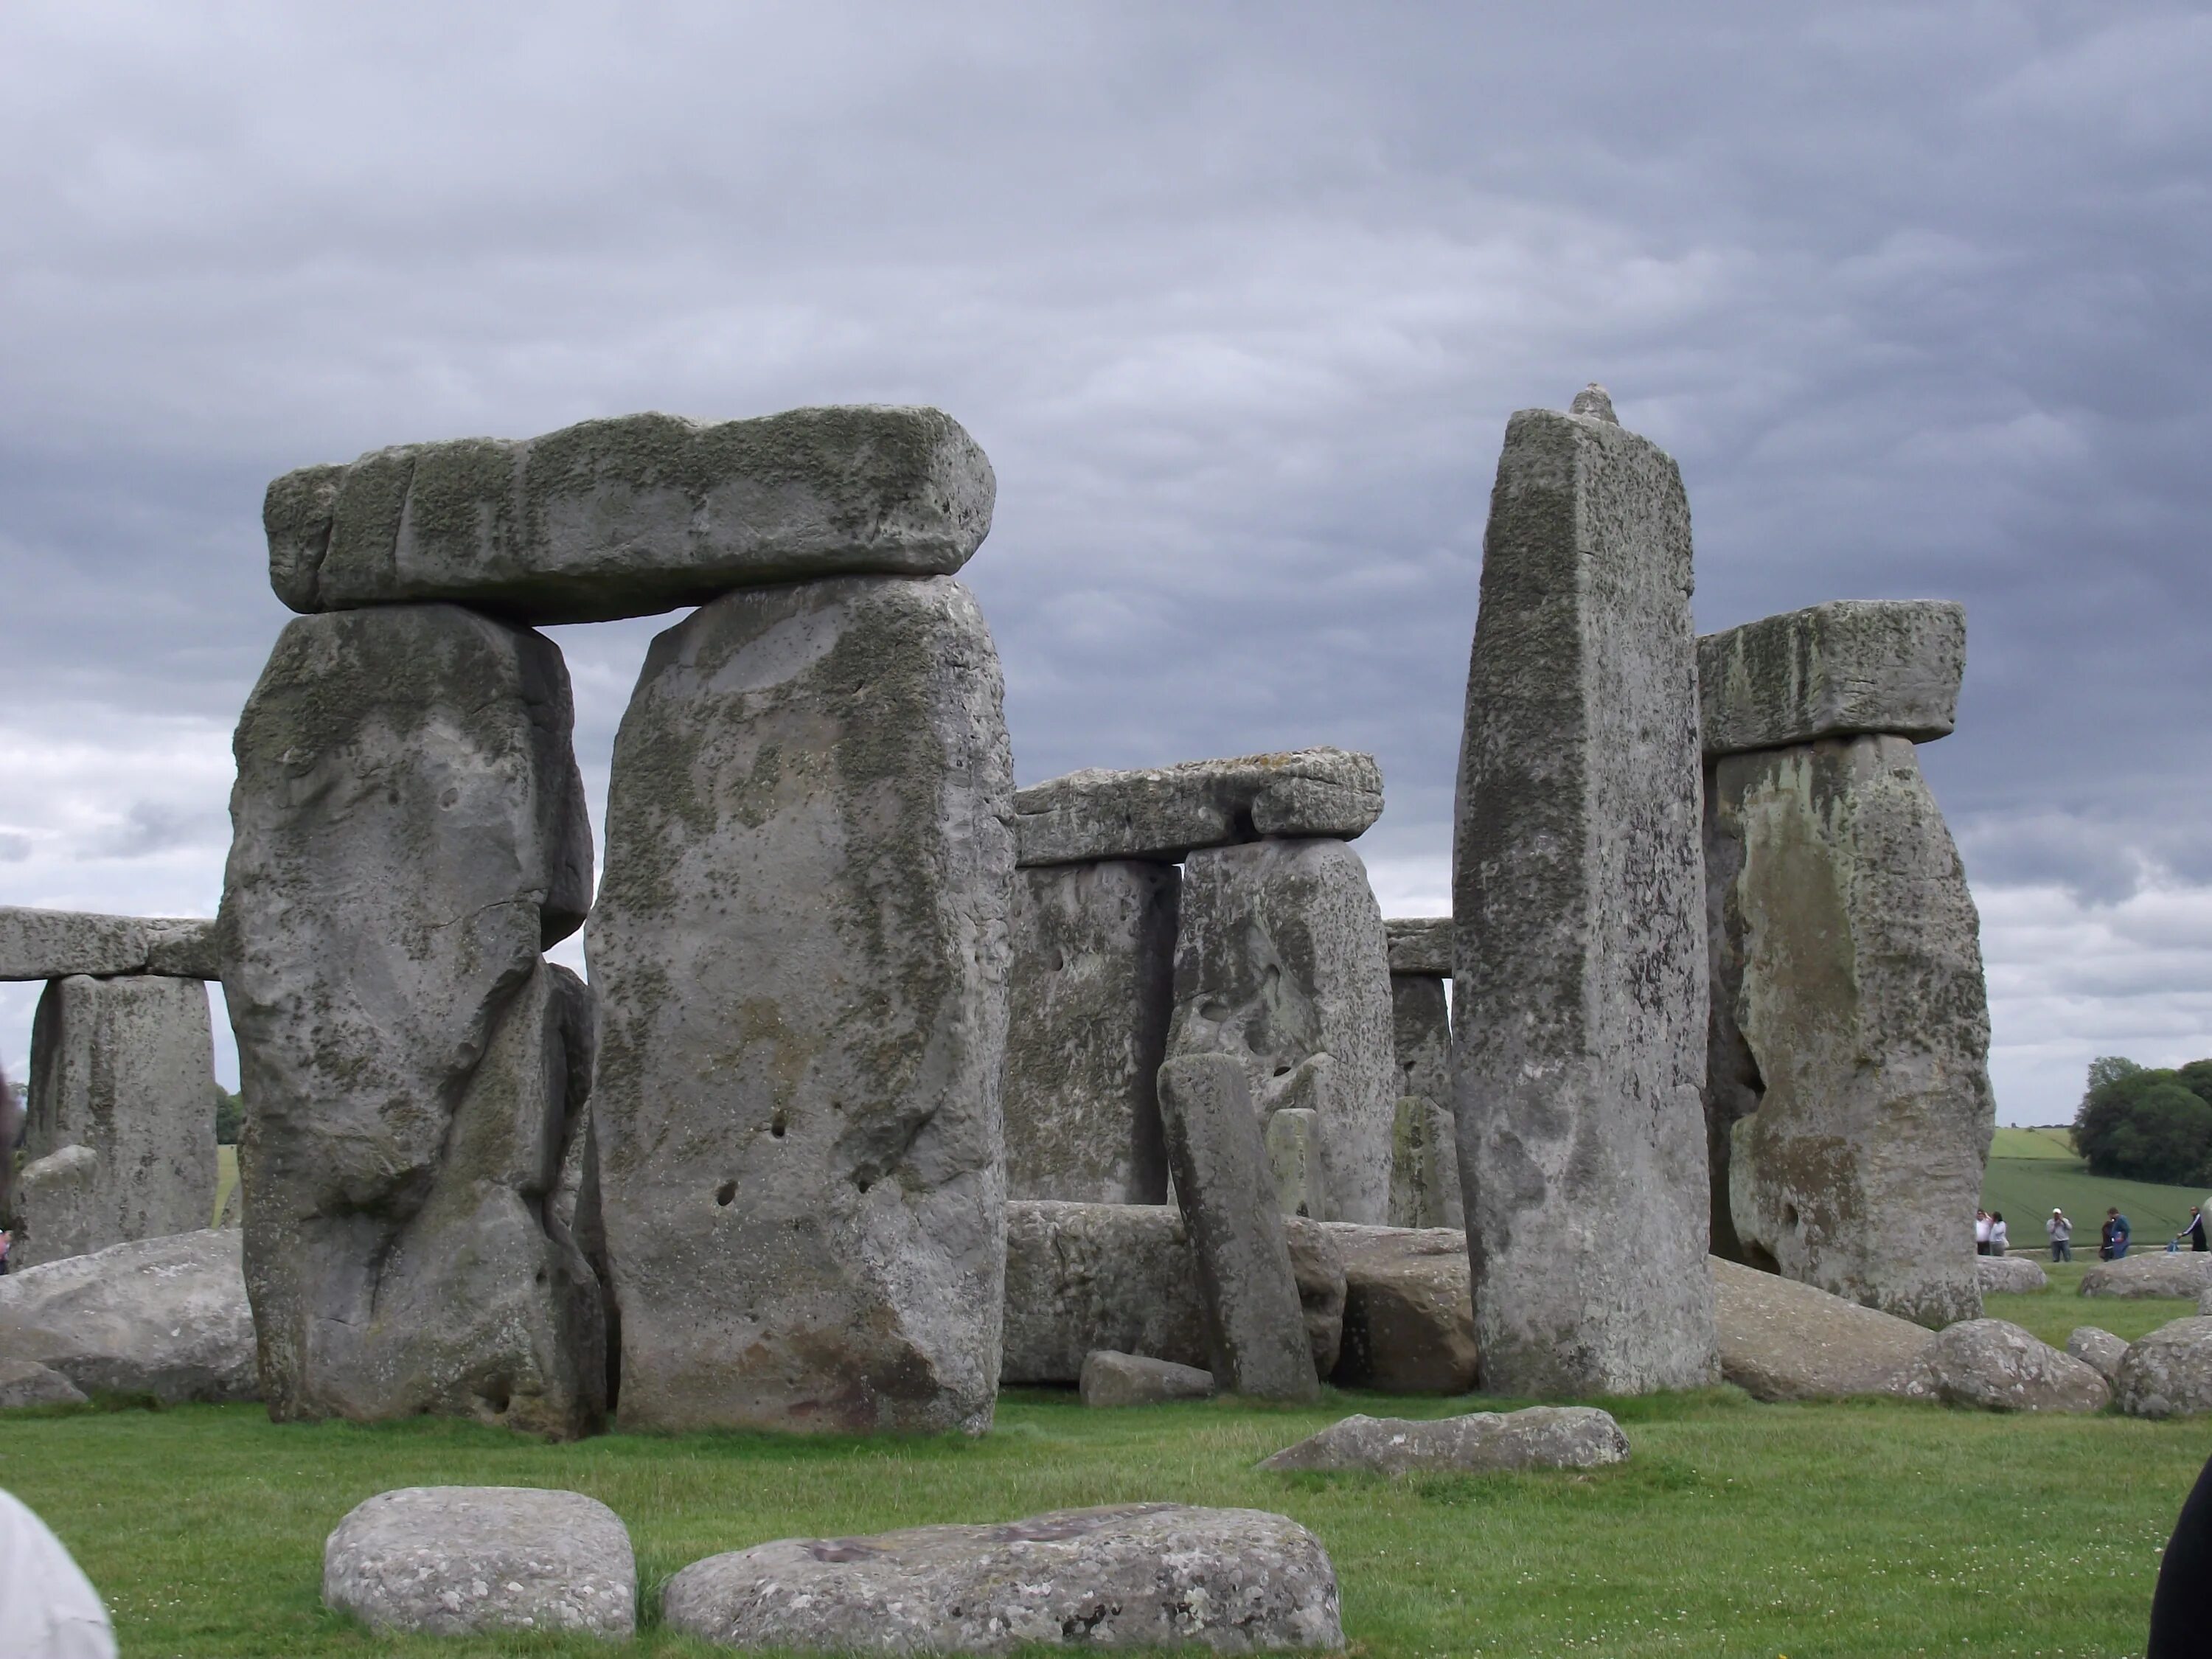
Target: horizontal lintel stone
<point>1167,811</point>
<point>1849,667</point>
<point>1420,944</point>
<point>56,943</point>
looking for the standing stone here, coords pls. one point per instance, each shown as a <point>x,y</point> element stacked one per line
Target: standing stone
<point>1424,1186</point>
<point>1093,985</point>
<point>125,1069</point>
<point>1280,964</point>
<point>801,955</point>
<point>1851,1110</point>
<point>1255,1322</point>
<point>409,832</point>
<point>1298,1160</point>
<point>1580,999</point>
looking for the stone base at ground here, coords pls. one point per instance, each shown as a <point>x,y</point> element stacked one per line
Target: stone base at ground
<point>2167,1373</point>
<point>2008,1273</point>
<point>1783,1341</point>
<point>1138,1575</point>
<point>2100,1350</point>
<point>1996,1366</point>
<point>1481,1442</point>
<point>164,1316</point>
<point>2176,1273</point>
<point>1408,1315</point>
<point>1128,1379</point>
<point>462,1560</point>
<point>27,1383</point>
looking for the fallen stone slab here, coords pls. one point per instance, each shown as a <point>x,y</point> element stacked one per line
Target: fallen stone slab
<point>1167,812</point>
<point>2180,1274</point>
<point>632,515</point>
<point>1408,1315</point>
<point>1997,1366</point>
<point>1480,1442</point>
<point>164,1316</point>
<point>1420,945</point>
<point>1842,669</point>
<point>2100,1350</point>
<point>55,943</point>
<point>1783,1341</point>
<point>1136,1575</point>
<point>2011,1274</point>
<point>459,1561</point>
<point>2167,1373</point>
<point>1130,1379</point>
<point>28,1382</point>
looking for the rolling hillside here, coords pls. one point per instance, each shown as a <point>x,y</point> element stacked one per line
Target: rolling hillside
<point>2032,1170</point>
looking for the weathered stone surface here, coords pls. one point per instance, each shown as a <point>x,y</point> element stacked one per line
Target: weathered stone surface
<point>1137,1575</point>
<point>1092,987</point>
<point>458,1561</point>
<point>1996,1366</point>
<point>2180,1274</point>
<point>1839,670</point>
<point>2012,1274</point>
<point>2100,1350</point>
<point>56,943</point>
<point>1846,957</point>
<point>1170,811</point>
<point>1409,1316</point>
<point>1579,1003</point>
<point>1480,1442</point>
<point>61,1192</point>
<point>1424,1184</point>
<point>1129,1379</point>
<point>2204,1305</point>
<point>1280,964</point>
<point>632,515</point>
<point>801,953</point>
<point>1783,1341</point>
<point>164,1316</point>
<point>1255,1326</point>
<point>1317,1269</point>
<point>126,1068</point>
<point>2167,1373</point>
<point>28,1382</point>
<point>408,832</point>
<point>1420,945</point>
<point>1299,1162</point>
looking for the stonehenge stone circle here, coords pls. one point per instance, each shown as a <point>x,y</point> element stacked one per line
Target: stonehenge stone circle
<point>123,1069</point>
<point>1424,1184</point>
<point>1579,1007</point>
<point>800,949</point>
<point>57,944</point>
<point>1420,946</point>
<point>1169,811</point>
<point>409,832</point>
<point>1845,669</point>
<point>1280,964</point>
<point>164,1316</point>
<point>633,515</point>
<point>1092,989</point>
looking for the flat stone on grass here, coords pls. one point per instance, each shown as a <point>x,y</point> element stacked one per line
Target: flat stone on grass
<point>1480,1442</point>
<point>1996,1366</point>
<point>2167,1373</point>
<point>2178,1274</point>
<point>2100,1350</point>
<point>2009,1273</point>
<point>1131,1379</point>
<point>27,1383</point>
<point>164,1316</point>
<point>1783,1341</point>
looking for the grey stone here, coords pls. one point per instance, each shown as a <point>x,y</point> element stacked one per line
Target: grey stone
<point>1255,1325</point>
<point>1296,1155</point>
<point>1480,1442</point>
<point>1170,811</point>
<point>1280,964</point>
<point>1842,668</point>
<point>1997,1366</point>
<point>2204,1303</point>
<point>60,1193</point>
<point>124,1068</point>
<point>1408,1315</point>
<point>2012,1274</point>
<point>1425,1183</point>
<point>801,950</point>
<point>2100,1350</point>
<point>461,1560</point>
<point>408,833</point>
<point>2158,1274</point>
<point>1133,1576</point>
<point>1847,958</point>
<point>1420,945</point>
<point>632,515</point>
<point>1092,987</point>
<point>1783,1341</point>
<point>1593,400</point>
<point>1128,1379</point>
<point>11,1129</point>
<point>1317,1268</point>
<point>164,1316</point>
<point>1579,1003</point>
<point>56,943</point>
<point>27,1383</point>
<point>2167,1373</point>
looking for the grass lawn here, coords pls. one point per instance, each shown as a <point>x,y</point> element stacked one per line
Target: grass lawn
<point>1736,1528</point>
<point>2025,1186</point>
<point>2052,1313</point>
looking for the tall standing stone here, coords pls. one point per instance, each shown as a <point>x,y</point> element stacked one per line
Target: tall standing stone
<point>1578,900</point>
<point>801,954</point>
<point>124,1068</point>
<point>1281,963</point>
<point>1093,984</point>
<point>1424,1186</point>
<point>409,832</point>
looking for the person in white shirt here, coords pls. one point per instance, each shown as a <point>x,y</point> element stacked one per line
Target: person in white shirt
<point>1981,1232</point>
<point>1999,1240</point>
<point>2062,1236</point>
<point>51,1610</point>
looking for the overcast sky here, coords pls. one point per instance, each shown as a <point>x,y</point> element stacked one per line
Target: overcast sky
<point>1238,297</point>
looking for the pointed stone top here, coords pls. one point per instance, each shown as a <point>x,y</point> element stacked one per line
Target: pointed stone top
<point>1592,400</point>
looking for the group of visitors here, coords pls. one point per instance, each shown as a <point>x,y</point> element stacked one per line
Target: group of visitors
<point>2113,1238</point>
<point>1991,1237</point>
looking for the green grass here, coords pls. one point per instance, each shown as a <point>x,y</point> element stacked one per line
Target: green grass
<point>1816,1531</point>
<point>2056,1143</point>
<point>225,1178</point>
<point>2053,1314</point>
<point>2032,1171</point>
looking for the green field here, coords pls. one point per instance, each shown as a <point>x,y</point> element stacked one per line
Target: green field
<point>2024,1184</point>
<point>226,1176</point>
<point>2056,1143</point>
<point>2053,1313</point>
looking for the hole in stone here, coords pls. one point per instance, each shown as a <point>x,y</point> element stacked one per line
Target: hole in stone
<point>1790,1215</point>
<point>775,1126</point>
<point>726,1194</point>
<point>1282,1071</point>
<point>864,1181</point>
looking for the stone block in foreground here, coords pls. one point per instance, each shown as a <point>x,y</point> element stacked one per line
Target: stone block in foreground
<point>1480,1442</point>
<point>463,1560</point>
<point>632,515</point>
<point>800,952</point>
<point>1783,1341</point>
<point>1168,812</point>
<point>55,943</point>
<point>1409,1318</point>
<point>2009,1273</point>
<point>2167,1373</point>
<point>1136,1575</point>
<point>1996,1366</point>
<point>2155,1273</point>
<point>1579,1005</point>
<point>1836,670</point>
<point>1128,1379</point>
<point>164,1316</point>
<point>27,1383</point>
<point>1420,944</point>
<point>2098,1349</point>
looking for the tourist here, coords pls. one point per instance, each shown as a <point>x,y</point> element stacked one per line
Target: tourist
<point>2116,1235</point>
<point>2192,1235</point>
<point>2062,1236</point>
<point>2181,1604</point>
<point>1981,1232</point>
<point>1999,1239</point>
<point>53,1611</point>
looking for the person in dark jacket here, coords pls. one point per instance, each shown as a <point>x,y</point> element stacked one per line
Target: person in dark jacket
<point>2181,1605</point>
<point>2192,1236</point>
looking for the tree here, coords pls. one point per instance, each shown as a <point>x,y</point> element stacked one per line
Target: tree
<point>2139,1124</point>
<point>227,1116</point>
<point>2108,1068</point>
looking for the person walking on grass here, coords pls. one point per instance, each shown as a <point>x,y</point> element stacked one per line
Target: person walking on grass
<point>2192,1237</point>
<point>2062,1236</point>
<point>2116,1235</point>
<point>1981,1232</point>
<point>2000,1240</point>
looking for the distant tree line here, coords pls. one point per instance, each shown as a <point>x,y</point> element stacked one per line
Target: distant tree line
<point>2147,1123</point>
<point>227,1110</point>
